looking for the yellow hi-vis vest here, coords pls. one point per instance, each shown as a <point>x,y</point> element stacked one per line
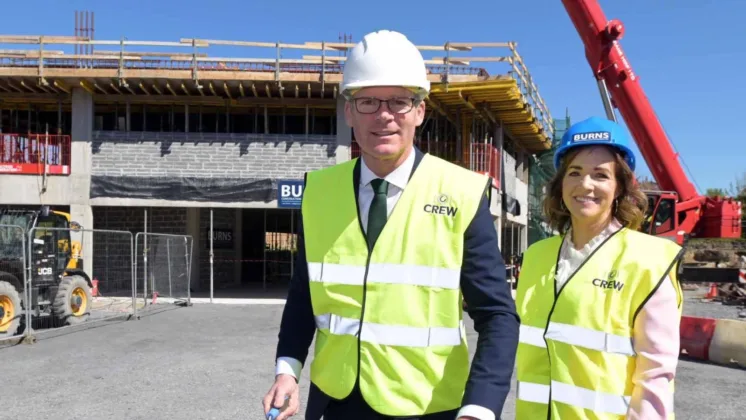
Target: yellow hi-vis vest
<point>391,318</point>
<point>575,355</point>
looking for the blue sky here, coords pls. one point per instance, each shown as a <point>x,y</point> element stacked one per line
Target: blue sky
<point>689,54</point>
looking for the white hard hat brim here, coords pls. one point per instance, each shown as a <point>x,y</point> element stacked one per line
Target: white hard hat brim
<point>423,87</point>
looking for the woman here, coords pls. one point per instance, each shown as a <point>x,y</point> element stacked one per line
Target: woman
<point>599,303</point>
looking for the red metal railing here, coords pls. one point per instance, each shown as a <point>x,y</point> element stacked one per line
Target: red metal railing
<point>485,158</point>
<point>35,154</point>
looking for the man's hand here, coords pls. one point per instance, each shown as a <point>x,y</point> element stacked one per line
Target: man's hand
<point>285,387</point>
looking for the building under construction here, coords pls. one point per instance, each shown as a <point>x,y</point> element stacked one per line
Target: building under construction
<point>181,136</point>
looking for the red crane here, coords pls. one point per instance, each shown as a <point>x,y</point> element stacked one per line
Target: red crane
<point>679,209</point>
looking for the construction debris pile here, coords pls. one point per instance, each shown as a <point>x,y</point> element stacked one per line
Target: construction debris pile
<point>720,254</point>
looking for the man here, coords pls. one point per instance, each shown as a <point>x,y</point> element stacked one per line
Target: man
<point>389,243</point>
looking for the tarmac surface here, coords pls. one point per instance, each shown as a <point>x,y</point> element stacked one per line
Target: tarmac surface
<point>216,362</point>
<point>696,305</point>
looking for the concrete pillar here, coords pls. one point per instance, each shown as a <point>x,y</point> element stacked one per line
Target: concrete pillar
<point>81,135</point>
<point>238,246</point>
<point>80,170</point>
<point>128,117</point>
<point>344,132</point>
<point>59,117</point>
<point>307,132</point>
<point>524,239</point>
<point>193,226</point>
<point>266,120</point>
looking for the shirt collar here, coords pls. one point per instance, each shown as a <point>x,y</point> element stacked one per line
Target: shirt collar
<point>612,227</point>
<point>399,177</point>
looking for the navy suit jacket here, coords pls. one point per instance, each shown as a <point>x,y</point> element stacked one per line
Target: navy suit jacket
<point>489,304</point>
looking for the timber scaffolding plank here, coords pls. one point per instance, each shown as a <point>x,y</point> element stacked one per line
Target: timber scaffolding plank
<point>300,71</point>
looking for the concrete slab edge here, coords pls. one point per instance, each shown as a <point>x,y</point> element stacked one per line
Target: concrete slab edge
<point>225,301</point>
<point>728,344</point>
<point>721,341</point>
<point>35,335</point>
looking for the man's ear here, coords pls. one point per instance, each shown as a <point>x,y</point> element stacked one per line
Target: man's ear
<point>348,113</point>
<point>420,113</point>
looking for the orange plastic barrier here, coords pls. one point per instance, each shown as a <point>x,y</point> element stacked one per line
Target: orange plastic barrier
<point>696,336</point>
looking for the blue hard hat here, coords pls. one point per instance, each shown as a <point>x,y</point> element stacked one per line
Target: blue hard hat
<point>595,131</point>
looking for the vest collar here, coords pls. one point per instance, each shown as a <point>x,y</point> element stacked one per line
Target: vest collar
<point>356,172</point>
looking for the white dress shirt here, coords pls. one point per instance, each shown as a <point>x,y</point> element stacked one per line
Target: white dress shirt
<point>397,180</point>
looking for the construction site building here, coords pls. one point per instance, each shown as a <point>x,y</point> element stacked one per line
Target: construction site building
<point>541,170</point>
<point>167,137</point>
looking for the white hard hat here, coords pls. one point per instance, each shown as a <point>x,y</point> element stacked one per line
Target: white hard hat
<point>385,58</point>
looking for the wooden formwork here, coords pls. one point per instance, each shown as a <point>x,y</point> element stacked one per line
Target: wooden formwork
<point>266,73</point>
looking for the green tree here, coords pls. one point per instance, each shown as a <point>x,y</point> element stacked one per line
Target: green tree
<point>738,190</point>
<point>716,192</point>
<point>647,184</point>
<point>738,187</point>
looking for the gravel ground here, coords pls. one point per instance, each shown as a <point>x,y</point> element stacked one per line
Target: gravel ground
<point>695,305</point>
<point>215,362</point>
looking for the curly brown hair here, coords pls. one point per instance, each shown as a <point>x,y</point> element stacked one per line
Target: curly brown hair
<point>629,208</point>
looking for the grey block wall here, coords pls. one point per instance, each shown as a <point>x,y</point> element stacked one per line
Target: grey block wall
<point>147,154</point>
<point>202,167</point>
<point>171,220</point>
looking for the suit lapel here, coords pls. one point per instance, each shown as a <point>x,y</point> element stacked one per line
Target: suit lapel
<point>356,185</point>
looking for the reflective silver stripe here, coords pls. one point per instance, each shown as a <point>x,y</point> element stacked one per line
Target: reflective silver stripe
<point>591,400</point>
<point>595,401</point>
<point>337,325</point>
<point>391,335</point>
<point>336,273</point>
<point>532,335</point>
<point>415,275</point>
<point>531,392</point>
<point>590,339</point>
<point>578,336</point>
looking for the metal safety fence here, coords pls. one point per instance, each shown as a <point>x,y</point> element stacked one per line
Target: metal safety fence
<point>163,268</point>
<point>79,275</point>
<point>13,291</point>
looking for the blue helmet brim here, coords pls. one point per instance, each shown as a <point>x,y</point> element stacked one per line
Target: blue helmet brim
<point>629,157</point>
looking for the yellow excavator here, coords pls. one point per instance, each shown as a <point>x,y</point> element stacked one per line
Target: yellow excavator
<point>58,286</point>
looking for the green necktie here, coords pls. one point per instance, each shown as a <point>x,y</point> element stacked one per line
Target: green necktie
<point>378,214</point>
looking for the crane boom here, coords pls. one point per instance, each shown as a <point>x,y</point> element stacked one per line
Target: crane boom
<point>693,214</point>
<point>607,59</point>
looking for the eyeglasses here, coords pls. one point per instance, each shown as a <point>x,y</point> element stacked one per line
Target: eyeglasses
<point>395,105</point>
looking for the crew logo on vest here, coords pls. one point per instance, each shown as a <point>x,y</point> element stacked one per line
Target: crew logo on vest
<point>610,283</point>
<point>441,205</point>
